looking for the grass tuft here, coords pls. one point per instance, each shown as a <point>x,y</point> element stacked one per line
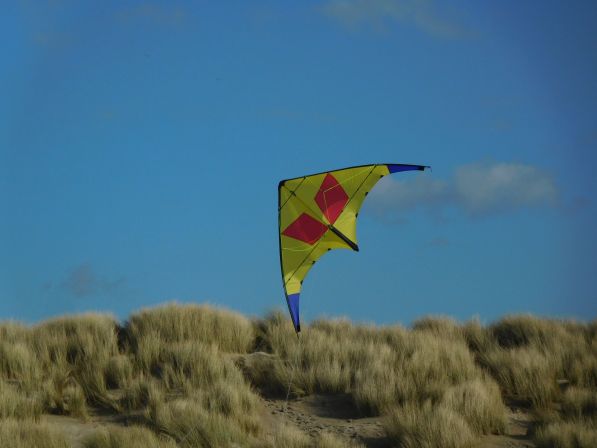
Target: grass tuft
<point>566,435</point>
<point>18,404</point>
<point>428,426</point>
<point>129,437</point>
<point>481,405</point>
<point>176,323</point>
<point>28,434</point>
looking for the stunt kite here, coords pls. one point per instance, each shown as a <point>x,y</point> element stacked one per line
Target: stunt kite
<point>318,213</point>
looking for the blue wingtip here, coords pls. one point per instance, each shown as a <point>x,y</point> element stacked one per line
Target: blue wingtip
<point>398,167</point>
<point>293,307</point>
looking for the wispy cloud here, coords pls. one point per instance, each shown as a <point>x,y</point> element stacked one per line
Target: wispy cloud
<point>483,188</point>
<point>438,242</point>
<point>292,114</point>
<point>378,14</point>
<point>478,189</point>
<point>83,281</point>
<point>53,40</point>
<point>169,15</point>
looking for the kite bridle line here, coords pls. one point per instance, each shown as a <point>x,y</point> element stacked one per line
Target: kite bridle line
<point>295,367</point>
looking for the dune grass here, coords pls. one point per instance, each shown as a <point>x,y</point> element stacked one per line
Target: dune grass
<point>76,351</point>
<point>188,422</point>
<point>192,376</point>
<point>381,367</point>
<point>18,404</point>
<point>572,434</point>
<point>480,403</point>
<point>528,355</point>
<point>427,426</point>
<point>129,437</point>
<point>29,434</point>
<point>579,403</point>
<point>60,361</point>
<point>329,440</point>
<point>456,369</point>
<point>289,436</point>
<point>187,385</point>
<point>171,323</point>
<point>574,426</point>
<point>217,408</point>
<point>526,373</point>
<point>18,360</point>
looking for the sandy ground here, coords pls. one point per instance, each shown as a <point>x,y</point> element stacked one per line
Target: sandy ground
<point>335,413</point>
<point>313,414</point>
<point>518,434</point>
<point>329,413</point>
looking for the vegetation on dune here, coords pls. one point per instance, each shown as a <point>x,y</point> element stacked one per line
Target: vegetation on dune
<point>73,353</point>
<point>455,373</point>
<point>190,376</point>
<point>129,437</point>
<point>480,403</point>
<point>423,425</point>
<point>575,426</point>
<point>567,434</point>
<point>227,330</point>
<point>291,437</point>
<point>18,404</point>
<point>28,434</point>
<point>579,403</point>
<point>189,388</point>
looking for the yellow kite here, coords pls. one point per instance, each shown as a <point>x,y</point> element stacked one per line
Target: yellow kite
<point>318,213</point>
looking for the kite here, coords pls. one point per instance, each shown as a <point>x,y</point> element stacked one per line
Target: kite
<point>318,213</point>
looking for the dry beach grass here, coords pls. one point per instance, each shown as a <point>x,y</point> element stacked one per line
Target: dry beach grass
<point>197,376</point>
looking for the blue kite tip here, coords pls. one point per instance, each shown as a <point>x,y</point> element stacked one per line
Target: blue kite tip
<point>293,307</point>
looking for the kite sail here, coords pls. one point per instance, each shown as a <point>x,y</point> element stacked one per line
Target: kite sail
<point>318,213</point>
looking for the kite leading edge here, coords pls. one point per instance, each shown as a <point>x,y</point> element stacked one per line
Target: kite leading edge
<point>317,213</point>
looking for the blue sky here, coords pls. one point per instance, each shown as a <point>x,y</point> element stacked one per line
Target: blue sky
<point>141,144</point>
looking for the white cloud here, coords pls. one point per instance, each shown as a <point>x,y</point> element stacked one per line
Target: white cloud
<point>378,13</point>
<point>502,186</point>
<point>477,189</point>
<point>423,189</point>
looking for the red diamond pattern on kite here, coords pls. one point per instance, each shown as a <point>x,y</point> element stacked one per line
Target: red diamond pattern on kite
<point>331,198</point>
<point>305,228</point>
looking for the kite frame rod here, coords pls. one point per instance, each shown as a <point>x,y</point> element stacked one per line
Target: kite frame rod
<point>344,238</point>
<point>340,235</point>
<point>354,166</point>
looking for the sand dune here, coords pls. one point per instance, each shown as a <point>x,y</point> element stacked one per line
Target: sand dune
<point>195,376</point>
